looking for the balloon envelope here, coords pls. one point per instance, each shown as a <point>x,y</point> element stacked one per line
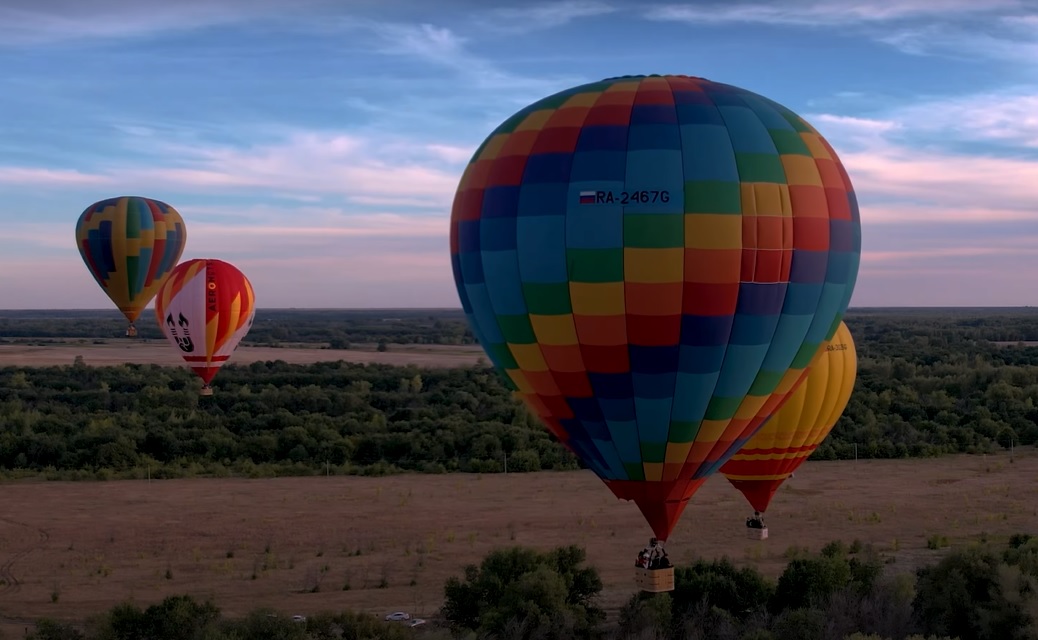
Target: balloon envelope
<point>130,244</point>
<point>651,263</point>
<point>205,308</point>
<point>792,434</point>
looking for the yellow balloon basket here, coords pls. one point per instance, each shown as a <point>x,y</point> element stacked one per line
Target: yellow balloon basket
<point>654,580</point>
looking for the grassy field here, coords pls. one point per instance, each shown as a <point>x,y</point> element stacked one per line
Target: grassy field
<point>112,352</point>
<point>68,550</point>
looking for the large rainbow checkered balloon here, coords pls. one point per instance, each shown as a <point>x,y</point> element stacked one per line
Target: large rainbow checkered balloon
<point>652,262</point>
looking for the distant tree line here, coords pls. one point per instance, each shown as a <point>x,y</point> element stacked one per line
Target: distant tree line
<point>337,329</point>
<point>266,419</point>
<point>928,384</point>
<point>977,592</point>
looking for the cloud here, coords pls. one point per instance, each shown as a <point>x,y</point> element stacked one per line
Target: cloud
<point>34,22</point>
<point>314,164</point>
<point>913,163</point>
<point>873,258</point>
<point>824,13</point>
<point>861,131</point>
<point>959,29</point>
<point>957,181</point>
<point>307,166</point>
<point>965,43</point>
<point>1009,117</point>
<point>534,17</point>
<point>443,47</point>
<point>44,176</point>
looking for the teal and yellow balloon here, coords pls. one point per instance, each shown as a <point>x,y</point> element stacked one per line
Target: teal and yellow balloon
<point>130,245</point>
<point>651,262</point>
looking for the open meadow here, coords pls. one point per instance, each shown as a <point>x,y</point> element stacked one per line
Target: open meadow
<point>160,352</point>
<point>68,550</point>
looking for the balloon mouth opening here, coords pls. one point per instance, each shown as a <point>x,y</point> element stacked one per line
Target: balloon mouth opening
<point>661,502</point>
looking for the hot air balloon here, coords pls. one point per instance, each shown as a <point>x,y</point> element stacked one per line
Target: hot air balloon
<point>205,308</point>
<point>130,244</point>
<point>793,432</point>
<point>651,262</point>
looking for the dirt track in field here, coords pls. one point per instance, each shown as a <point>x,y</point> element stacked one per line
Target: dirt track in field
<point>250,543</point>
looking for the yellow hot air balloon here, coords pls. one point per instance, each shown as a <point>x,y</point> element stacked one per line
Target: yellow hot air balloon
<point>792,434</point>
<point>130,245</point>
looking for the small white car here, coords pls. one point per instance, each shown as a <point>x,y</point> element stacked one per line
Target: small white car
<point>298,618</point>
<point>399,615</point>
<point>416,622</point>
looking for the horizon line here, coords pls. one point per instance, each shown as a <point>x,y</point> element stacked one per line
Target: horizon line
<point>116,312</point>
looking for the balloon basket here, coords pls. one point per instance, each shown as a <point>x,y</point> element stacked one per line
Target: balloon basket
<point>757,534</point>
<point>654,580</point>
<point>131,331</point>
<point>206,391</point>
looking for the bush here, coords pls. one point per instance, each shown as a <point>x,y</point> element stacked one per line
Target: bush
<point>526,594</point>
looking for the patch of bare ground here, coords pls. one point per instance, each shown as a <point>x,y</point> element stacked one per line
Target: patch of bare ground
<point>74,549</point>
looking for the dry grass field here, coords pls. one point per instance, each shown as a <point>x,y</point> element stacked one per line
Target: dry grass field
<point>161,352</point>
<point>68,550</point>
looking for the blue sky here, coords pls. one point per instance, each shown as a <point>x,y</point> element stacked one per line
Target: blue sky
<point>316,144</point>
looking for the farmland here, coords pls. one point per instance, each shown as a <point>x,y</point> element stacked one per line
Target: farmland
<point>74,549</point>
<point>118,351</point>
<point>352,405</point>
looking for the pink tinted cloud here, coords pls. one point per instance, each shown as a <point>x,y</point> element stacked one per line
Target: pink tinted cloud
<point>973,181</point>
<point>307,166</point>
<point>369,169</point>
<point>880,258</point>
<point>43,176</point>
<point>911,183</point>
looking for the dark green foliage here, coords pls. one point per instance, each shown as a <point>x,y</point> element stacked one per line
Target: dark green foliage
<point>526,594</point>
<point>175,618</point>
<point>47,629</point>
<point>275,327</point>
<point>182,618</point>
<point>930,382</point>
<point>738,591</point>
<point>812,581</point>
<point>974,595</point>
<point>518,593</point>
<point>267,418</point>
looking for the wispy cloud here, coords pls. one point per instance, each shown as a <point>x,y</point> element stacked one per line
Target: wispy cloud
<point>873,258</point>
<point>959,29</point>
<point>445,48</point>
<point>33,22</point>
<point>1000,40</point>
<point>1009,117</point>
<point>910,165</point>
<point>51,177</point>
<point>350,166</point>
<point>369,171</point>
<point>956,181</point>
<point>824,13</point>
<point>549,15</point>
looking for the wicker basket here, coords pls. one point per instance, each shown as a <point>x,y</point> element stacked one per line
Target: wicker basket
<point>757,534</point>
<point>654,580</point>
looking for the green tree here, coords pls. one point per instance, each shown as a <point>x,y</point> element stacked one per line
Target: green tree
<point>971,594</point>
<point>526,593</point>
